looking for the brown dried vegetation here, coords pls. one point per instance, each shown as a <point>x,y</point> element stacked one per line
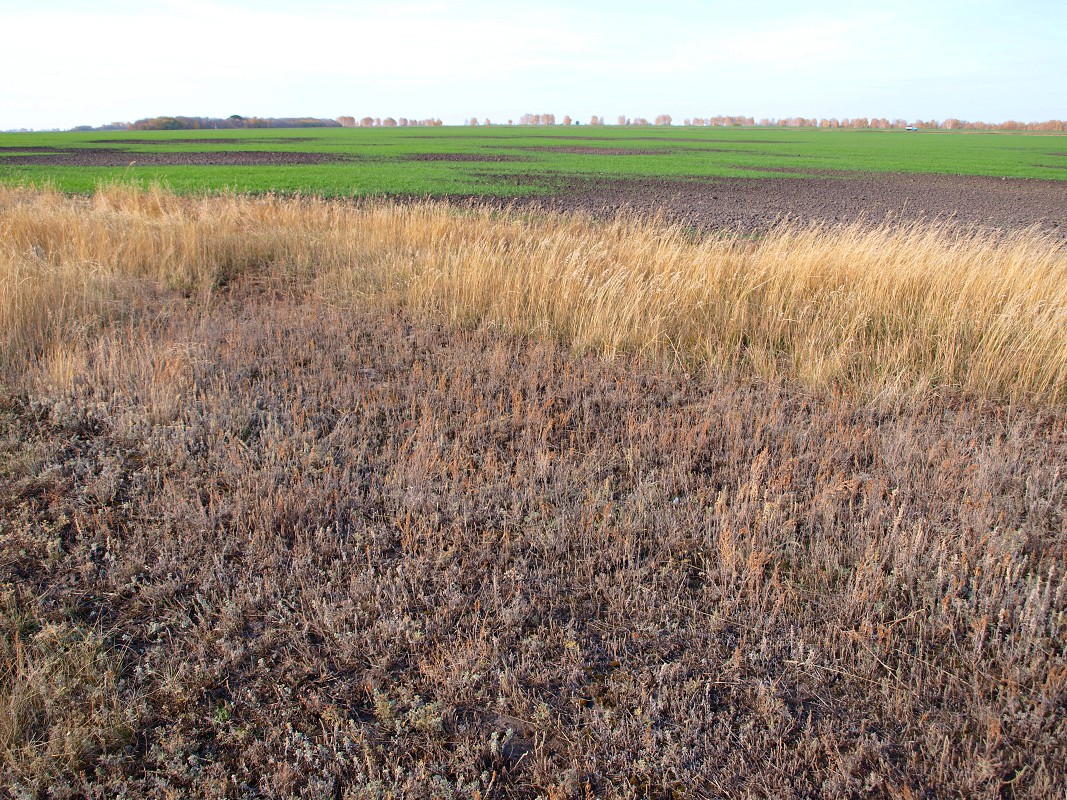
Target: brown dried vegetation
<point>258,542</point>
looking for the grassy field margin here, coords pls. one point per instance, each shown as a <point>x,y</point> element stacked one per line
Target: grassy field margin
<point>883,312</point>
<point>302,497</point>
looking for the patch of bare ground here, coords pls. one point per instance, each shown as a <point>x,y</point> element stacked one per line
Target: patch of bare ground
<point>30,149</point>
<point>463,157</point>
<point>601,151</point>
<point>336,551</point>
<point>756,204</point>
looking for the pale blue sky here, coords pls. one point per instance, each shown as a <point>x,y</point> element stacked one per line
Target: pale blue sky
<point>70,63</point>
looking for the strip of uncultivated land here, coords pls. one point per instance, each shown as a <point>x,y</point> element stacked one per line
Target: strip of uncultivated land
<point>287,509</point>
<point>884,312</point>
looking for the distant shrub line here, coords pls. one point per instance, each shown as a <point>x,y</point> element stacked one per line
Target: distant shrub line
<point>854,123</point>
<point>237,122</point>
<point>234,122</point>
<point>723,121</point>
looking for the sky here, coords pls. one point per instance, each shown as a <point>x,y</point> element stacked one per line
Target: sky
<point>66,63</point>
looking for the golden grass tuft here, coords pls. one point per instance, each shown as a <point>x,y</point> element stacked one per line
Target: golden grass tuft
<point>882,311</point>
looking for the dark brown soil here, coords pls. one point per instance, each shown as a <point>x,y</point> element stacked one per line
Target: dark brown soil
<point>463,157</point>
<point>30,149</point>
<point>128,158</point>
<point>602,151</point>
<point>757,203</point>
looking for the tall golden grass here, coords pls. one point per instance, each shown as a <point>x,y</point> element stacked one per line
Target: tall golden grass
<point>885,311</point>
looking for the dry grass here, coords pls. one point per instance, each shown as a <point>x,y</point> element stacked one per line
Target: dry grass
<point>347,552</point>
<point>59,705</point>
<point>257,544</point>
<point>891,312</point>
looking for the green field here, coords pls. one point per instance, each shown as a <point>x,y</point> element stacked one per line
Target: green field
<point>514,161</point>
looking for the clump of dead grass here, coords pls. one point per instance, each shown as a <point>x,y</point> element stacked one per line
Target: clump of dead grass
<point>892,311</point>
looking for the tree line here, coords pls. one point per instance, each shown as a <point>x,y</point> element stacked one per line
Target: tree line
<point>236,121</point>
<point>388,122</point>
<point>853,123</point>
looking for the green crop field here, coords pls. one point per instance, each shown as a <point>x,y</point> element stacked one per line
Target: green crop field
<point>502,161</point>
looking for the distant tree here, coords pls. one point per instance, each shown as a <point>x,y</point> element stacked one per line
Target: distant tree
<point>389,122</point>
<point>663,119</point>
<point>622,120</point>
<point>537,119</point>
<point>567,120</point>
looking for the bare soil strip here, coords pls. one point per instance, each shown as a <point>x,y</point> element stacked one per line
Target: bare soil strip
<point>602,151</point>
<point>756,204</point>
<point>473,158</point>
<point>31,149</point>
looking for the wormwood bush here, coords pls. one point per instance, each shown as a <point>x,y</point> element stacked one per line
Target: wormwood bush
<point>59,704</point>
